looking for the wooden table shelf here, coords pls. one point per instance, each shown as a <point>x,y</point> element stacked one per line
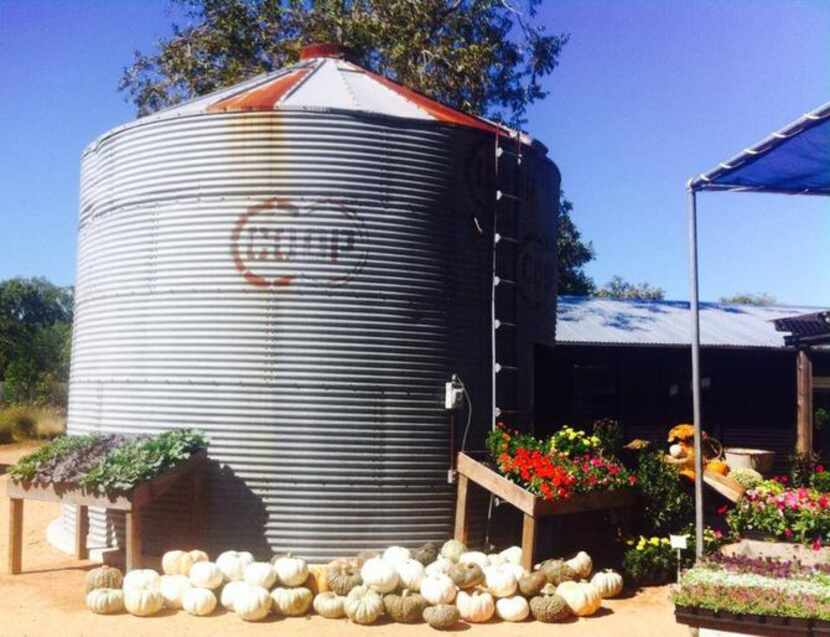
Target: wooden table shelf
<point>130,502</point>
<point>532,506</point>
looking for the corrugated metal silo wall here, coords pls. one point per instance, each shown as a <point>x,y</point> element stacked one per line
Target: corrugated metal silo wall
<point>299,285</point>
<point>527,264</point>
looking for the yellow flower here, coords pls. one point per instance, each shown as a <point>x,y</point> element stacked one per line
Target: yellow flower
<point>655,541</point>
<point>665,540</point>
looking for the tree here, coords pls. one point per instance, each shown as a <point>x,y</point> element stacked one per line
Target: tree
<point>573,254</point>
<point>35,335</point>
<point>482,56</point>
<point>619,288</point>
<point>750,299</point>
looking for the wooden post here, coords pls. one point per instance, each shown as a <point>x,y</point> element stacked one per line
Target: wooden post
<point>462,513</point>
<point>528,541</point>
<point>132,550</point>
<point>81,531</point>
<point>804,399</point>
<point>15,547</point>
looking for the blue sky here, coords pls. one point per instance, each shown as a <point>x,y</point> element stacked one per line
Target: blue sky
<point>648,94</point>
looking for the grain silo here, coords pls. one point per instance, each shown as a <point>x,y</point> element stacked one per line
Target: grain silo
<point>296,265</point>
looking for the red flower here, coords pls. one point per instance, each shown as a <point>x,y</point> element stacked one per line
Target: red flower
<point>722,509</point>
<point>819,468</point>
<point>788,533</point>
<point>817,544</point>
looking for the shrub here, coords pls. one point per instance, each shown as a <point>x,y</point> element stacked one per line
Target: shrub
<point>802,466</point>
<point>746,477</point>
<point>820,480</point>
<point>667,506</point>
<point>649,561</point>
<point>609,432</point>
<point>19,421</point>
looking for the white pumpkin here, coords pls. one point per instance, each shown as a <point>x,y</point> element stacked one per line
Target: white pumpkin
<point>261,574</point>
<point>176,563</point>
<point>512,555</point>
<point>441,566</point>
<point>330,605</point>
<point>142,579</point>
<point>379,575</point>
<point>582,598</point>
<point>172,587</point>
<point>495,559</point>
<point>608,583</point>
<point>233,563</point>
<point>396,554</point>
<point>363,605</point>
<point>517,569</point>
<point>142,602</point>
<point>581,564</point>
<point>105,601</point>
<point>206,575</point>
<point>512,609</point>
<point>291,571</point>
<point>292,602</point>
<point>230,591</point>
<point>438,589</point>
<point>453,549</point>
<point>199,602</point>
<point>252,603</point>
<point>477,607</point>
<point>500,581</point>
<point>677,451</point>
<point>197,556</point>
<point>474,557</point>
<point>411,573</point>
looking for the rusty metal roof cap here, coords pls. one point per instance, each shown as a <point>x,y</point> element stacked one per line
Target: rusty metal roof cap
<point>321,50</point>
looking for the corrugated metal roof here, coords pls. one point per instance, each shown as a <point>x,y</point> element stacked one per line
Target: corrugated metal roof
<point>614,322</point>
<point>323,81</point>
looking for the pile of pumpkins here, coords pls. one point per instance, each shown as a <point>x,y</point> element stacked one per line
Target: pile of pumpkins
<point>440,585</point>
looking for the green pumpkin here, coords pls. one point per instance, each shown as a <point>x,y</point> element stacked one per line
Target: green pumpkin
<point>104,577</point>
<point>442,616</point>
<point>531,584</point>
<point>407,608</point>
<point>466,575</point>
<point>427,553</point>
<point>549,607</point>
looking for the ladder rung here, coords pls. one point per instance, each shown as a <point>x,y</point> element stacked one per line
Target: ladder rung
<point>499,281</point>
<point>499,238</point>
<point>504,195</point>
<point>506,368</point>
<point>504,324</point>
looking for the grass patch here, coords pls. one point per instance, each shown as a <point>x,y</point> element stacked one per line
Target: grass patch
<point>25,422</point>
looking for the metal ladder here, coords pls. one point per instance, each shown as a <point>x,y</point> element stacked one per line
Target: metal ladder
<point>510,180</point>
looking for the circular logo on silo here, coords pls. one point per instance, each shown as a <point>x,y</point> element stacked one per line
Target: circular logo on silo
<point>536,271</point>
<point>278,242</point>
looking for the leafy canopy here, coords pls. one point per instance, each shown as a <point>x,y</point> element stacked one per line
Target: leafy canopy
<point>486,57</point>
<point>619,288</point>
<point>750,299</point>
<point>573,254</point>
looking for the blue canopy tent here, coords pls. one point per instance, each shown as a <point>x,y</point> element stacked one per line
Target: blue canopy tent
<point>794,161</point>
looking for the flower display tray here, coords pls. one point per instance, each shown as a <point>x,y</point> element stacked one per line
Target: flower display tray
<point>724,623</point>
<point>130,502</point>
<point>532,506</point>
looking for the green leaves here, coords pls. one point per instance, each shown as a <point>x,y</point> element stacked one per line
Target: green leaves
<point>482,56</point>
<point>123,467</point>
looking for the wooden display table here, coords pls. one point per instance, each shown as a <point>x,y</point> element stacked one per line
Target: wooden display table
<point>130,502</point>
<point>532,506</point>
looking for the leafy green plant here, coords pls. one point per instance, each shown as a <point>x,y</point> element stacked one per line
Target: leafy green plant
<point>142,459</point>
<point>667,506</point>
<point>27,468</point>
<point>802,467</point>
<point>572,442</point>
<point>610,434</point>
<point>746,477</point>
<point>649,561</point>
<point>820,480</point>
<point>821,418</point>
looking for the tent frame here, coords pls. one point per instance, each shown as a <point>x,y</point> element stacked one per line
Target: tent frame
<point>703,182</point>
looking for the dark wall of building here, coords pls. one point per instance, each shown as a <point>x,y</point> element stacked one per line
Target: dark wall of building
<point>748,394</point>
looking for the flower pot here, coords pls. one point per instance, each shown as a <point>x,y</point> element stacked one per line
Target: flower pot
<point>741,458</point>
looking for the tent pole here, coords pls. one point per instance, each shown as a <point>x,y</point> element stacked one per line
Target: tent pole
<point>695,314</point>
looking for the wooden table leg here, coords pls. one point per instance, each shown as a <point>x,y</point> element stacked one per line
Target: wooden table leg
<point>15,547</point>
<point>462,513</point>
<point>132,550</point>
<point>81,531</point>
<point>528,541</point>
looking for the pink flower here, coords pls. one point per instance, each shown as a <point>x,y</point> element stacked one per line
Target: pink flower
<point>722,510</point>
<point>819,468</point>
<point>788,533</point>
<point>823,502</point>
<point>817,544</point>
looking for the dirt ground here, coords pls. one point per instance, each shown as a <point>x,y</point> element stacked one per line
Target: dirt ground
<point>47,600</point>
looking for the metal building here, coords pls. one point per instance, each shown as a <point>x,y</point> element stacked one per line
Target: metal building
<point>296,265</point>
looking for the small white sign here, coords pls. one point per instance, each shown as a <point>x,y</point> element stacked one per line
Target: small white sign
<point>679,541</point>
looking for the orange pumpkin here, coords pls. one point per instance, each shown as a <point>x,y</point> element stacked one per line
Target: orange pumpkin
<point>682,432</point>
<point>718,466</point>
